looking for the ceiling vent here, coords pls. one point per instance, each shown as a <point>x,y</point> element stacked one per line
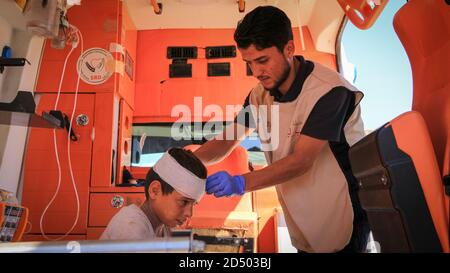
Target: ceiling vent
<point>182,52</point>
<point>215,52</point>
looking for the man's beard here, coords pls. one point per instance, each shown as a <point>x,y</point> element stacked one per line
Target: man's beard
<point>283,77</point>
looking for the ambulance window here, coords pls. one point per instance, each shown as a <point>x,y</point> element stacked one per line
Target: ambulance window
<point>151,141</point>
<point>375,61</point>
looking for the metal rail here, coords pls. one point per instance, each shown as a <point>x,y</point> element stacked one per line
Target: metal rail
<point>177,245</point>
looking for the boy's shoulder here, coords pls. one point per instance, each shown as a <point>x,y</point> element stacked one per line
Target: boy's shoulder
<point>128,224</point>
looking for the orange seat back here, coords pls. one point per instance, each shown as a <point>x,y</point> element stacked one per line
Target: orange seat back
<point>420,149</point>
<point>423,27</point>
<point>400,186</point>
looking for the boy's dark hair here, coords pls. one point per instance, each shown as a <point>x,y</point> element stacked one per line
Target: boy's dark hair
<point>264,27</point>
<point>185,158</point>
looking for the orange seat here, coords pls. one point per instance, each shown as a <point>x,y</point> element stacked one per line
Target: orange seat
<point>423,27</point>
<point>401,187</point>
<point>400,166</point>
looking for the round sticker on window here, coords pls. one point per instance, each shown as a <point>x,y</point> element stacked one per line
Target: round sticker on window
<point>95,66</point>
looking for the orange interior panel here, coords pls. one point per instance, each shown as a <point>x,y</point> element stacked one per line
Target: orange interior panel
<point>265,203</point>
<point>128,39</point>
<point>139,172</point>
<point>124,145</point>
<point>102,149</point>
<point>156,93</point>
<point>41,173</point>
<point>94,233</point>
<point>420,149</point>
<point>98,22</point>
<point>40,238</point>
<point>101,23</point>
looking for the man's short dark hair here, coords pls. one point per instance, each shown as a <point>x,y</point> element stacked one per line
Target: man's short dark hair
<point>264,27</point>
<point>185,158</point>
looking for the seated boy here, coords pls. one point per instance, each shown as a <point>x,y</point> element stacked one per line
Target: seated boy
<point>173,186</point>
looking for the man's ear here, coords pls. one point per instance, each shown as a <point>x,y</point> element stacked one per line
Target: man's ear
<point>154,189</point>
<point>289,49</point>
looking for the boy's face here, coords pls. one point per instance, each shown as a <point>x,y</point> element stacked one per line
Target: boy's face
<point>172,209</point>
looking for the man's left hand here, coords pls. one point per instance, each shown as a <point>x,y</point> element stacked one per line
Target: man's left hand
<point>223,184</point>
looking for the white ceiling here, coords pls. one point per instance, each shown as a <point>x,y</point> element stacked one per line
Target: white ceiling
<point>209,13</point>
<point>323,17</point>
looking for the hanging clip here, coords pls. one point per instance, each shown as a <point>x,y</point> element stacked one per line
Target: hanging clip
<point>65,123</point>
<point>241,5</point>
<point>157,7</point>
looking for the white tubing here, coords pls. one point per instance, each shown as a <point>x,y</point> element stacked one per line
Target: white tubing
<point>80,37</point>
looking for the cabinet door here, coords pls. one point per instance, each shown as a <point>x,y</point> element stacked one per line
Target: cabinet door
<point>104,206</point>
<point>94,233</point>
<point>41,171</point>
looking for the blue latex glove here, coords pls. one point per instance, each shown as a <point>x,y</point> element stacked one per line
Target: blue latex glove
<point>222,184</point>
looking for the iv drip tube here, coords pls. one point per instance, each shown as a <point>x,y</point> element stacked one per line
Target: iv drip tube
<point>74,45</point>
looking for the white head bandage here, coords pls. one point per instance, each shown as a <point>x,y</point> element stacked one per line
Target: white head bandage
<point>182,180</point>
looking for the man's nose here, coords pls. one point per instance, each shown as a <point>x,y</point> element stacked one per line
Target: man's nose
<point>188,211</point>
<point>257,70</point>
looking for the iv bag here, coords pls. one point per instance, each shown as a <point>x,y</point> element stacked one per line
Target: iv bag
<point>42,17</point>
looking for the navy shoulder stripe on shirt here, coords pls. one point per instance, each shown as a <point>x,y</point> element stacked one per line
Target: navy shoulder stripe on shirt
<point>327,119</point>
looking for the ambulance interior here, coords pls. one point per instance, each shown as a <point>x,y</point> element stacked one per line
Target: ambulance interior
<point>90,89</point>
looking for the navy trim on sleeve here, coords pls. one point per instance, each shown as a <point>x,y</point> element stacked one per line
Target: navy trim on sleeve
<point>328,117</point>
